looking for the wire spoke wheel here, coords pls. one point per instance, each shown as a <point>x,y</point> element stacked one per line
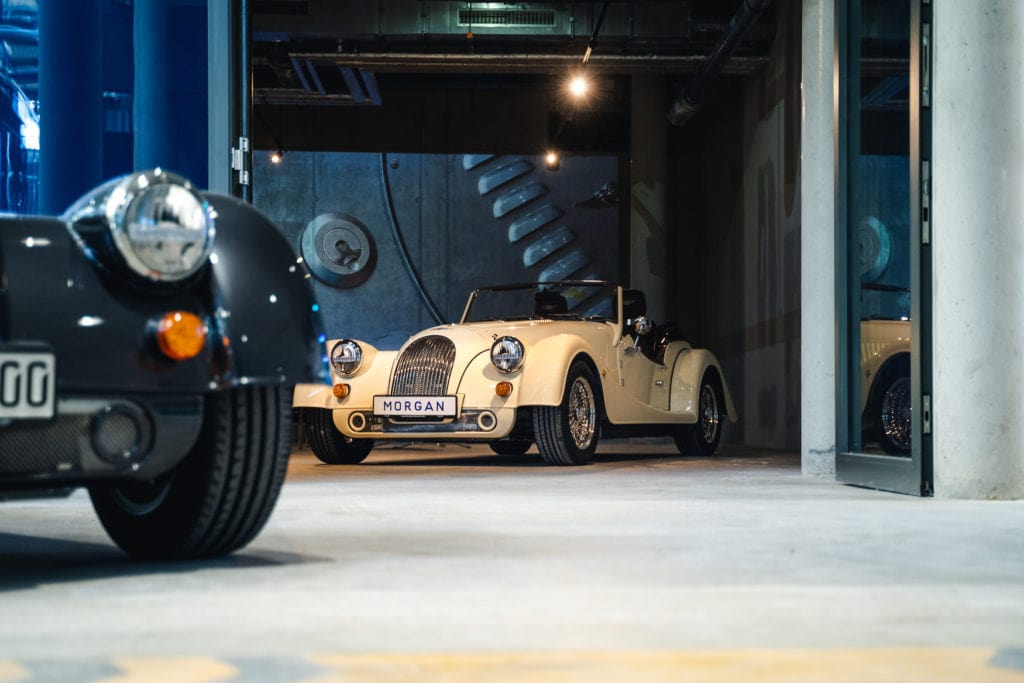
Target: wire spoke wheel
<point>582,413</point>
<point>702,437</point>
<point>567,434</point>
<point>895,416</point>
<point>710,417</point>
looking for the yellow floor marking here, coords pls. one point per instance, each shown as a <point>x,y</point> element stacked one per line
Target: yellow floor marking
<point>171,670</point>
<point>11,671</point>
<point>896,665</point>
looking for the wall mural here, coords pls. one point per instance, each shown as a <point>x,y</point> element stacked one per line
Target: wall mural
<point>395,242</point>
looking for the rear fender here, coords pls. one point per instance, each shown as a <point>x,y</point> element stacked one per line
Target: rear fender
<point>687,372</point>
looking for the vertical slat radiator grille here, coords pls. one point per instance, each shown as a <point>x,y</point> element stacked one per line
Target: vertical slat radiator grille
<point>424,368</point>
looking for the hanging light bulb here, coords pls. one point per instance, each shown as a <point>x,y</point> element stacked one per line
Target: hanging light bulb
<point>579,86</point>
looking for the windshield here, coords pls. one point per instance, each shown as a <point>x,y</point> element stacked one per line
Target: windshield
<point>570,300</point>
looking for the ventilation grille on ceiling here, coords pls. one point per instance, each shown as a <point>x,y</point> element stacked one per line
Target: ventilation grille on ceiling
<point>507,18</point>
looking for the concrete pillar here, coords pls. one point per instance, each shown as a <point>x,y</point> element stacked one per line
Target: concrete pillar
<point>648,215</point>
<point>70,102</point>
<point>151,111</point>
<point>221,41</point>
<point>978,249</point>
<point>817,243</point>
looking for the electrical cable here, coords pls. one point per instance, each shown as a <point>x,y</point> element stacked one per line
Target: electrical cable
<point>403,250</point>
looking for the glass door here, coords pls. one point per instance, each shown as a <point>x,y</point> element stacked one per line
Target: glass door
<point>882,233</point>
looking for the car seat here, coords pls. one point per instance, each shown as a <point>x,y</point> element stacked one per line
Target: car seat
<point>546,302</point>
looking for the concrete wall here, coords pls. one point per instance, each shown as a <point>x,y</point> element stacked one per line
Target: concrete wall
<point>455,221</point>
<point>736,223</point>
<point>978,228</point>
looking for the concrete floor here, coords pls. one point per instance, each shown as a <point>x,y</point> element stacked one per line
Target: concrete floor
<point>452,564</point>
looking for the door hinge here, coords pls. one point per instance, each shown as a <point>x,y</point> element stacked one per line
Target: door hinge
<point>239,155</point>
<point>926,192</point>
<point>926,414</point>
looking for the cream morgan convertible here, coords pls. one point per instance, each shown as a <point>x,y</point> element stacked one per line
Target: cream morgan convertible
<point>523,367</point>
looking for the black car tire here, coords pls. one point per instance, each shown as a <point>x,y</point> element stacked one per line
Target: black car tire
<point>702,438</point>
<point>220,495</point>
<point>567,434</point>
<point>510,446</point>
<point>328,444</point>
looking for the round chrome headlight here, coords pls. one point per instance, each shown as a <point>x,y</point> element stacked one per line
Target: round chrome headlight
<point>346,357</point>
<point>507,354</point>
<point>159,225</point>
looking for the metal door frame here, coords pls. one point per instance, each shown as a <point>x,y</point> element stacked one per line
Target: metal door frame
<point>912,475</point>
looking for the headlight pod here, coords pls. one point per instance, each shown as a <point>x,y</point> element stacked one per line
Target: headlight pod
<point>346,357</point>
<point>159,226</point>
<point>507,354</point>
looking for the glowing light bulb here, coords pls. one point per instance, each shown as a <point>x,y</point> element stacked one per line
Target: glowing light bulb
<point>578,86</point>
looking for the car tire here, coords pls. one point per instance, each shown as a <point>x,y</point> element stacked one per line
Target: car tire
<point>702,438</point>
<point>328,444</point>
<point>894,422</point>
<point>510,447</point>
<point>220,495</point>
<point>567,434</point>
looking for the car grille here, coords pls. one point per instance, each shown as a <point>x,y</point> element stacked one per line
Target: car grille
<point>424,368</point>
<point>48,448</point>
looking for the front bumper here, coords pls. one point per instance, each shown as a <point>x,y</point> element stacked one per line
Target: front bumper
<point>92,437</point>
<point>481,423</point>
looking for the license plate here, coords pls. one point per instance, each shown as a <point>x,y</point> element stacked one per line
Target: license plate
<point>415,406</point>
<point>27,384</point>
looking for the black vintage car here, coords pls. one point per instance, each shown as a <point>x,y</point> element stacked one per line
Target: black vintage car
<point>149,340</point>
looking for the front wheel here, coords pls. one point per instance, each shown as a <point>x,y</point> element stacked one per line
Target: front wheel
<point>567,434</point>
<point>702,438</point>
<point>328,444</point>
<point>220,495</point>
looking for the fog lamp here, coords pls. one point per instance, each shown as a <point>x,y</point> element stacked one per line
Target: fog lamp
<point>180,335</point>
<point>503,389</point>
<point>340,390</point>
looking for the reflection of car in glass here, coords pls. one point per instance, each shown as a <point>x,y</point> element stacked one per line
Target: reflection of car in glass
<point>148,345</point>
<point>522,368</point>
<point>885,383</point>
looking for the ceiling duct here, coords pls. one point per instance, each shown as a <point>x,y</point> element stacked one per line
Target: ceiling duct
<point>691,96</point>
<point>507,18</point>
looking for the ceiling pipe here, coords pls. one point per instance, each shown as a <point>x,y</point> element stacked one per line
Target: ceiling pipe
<point>689,99</point>
<point>527,63</point>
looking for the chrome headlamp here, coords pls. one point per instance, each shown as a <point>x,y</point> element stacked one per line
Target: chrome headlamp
<point>507,354</point>
<point>159,226</point>
<point>346,357</point>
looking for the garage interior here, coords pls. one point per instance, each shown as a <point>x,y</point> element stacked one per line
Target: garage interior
<point>708,209</point>
<point>434,562</point>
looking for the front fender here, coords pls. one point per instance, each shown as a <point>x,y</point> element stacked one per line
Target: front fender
<point>372,378</point>
<point>265,309</point>
<point>546,367</point>
<point>313,396</point>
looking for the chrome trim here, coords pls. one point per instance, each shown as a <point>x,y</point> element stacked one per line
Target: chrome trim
<point>424,368</point>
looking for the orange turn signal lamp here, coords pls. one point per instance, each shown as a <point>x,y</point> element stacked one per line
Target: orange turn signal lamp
<point>180,335</point>
<point>503,389</point>
<point>340,390</point>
